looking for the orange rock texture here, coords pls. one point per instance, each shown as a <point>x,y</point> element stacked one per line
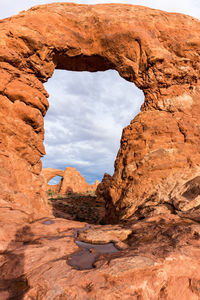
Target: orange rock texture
<point>156,170</point>
<point>160,262</point>
<point>71,181</point>
<point>50,173</point>
<point>157,166</point>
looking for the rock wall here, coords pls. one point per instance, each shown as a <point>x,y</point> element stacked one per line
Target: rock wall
<point>156,50</point>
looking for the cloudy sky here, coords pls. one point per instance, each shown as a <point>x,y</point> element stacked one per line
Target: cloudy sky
<point>89,110</point>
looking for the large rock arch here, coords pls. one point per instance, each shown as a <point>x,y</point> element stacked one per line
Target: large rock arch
<point>156,50</point>
<point>71,181</point>
<point>50,173</point>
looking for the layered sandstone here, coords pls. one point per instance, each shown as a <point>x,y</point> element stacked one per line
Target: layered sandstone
<point>158,51</point>
<point>71,181</point>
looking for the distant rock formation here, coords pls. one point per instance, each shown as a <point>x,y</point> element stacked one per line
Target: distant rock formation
<point>95,185</point>
<point>50,173</point>
<point>71,181</point>
<point>103,186</point>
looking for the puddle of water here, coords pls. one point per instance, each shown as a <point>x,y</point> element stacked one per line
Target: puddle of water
<point>54,238</point>
<point>85,258</point>
<point>76,231</point>
<point>48,222</point>
<point>105,248</point>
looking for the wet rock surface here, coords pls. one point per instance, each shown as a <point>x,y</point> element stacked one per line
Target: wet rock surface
<point>86,257</point>
<point>159,151</point>
<point>161,260</point>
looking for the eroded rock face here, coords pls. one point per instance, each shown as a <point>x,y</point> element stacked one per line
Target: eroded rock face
<point>71,182</point>
<point>50,173</point>
<point>158,51</point>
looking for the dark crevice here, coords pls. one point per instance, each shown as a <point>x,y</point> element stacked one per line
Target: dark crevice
<point>181,129</point>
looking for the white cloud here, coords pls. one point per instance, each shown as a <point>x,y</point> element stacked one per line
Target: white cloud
<point>84,123</point>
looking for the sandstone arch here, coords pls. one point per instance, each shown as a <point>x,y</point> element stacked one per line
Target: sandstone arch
<point>158,51</point>
<point>71,181</point>
<point>50,173</point>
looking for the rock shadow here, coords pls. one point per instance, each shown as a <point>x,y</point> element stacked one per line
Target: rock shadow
<point>13,282</point>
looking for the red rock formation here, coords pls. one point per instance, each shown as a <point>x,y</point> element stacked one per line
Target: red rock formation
<point>94,185</point>
<point>103,187</point>
<point>158,51</point>
<point>71,182</point>
<point>50,173</point>
<point>156,170</point>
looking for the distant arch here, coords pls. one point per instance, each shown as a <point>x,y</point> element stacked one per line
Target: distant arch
<point>50,173</point>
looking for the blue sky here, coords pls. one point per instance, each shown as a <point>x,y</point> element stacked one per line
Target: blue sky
<point>84,123</point>
<point>89,110</point>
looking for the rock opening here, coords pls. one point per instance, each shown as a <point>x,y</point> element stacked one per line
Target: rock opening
<point>157,166</point>
<point>83,129</point>
<point>161,145</point>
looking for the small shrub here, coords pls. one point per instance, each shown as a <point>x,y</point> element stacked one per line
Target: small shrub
<point>102,222</point>
<point>50,193</point>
